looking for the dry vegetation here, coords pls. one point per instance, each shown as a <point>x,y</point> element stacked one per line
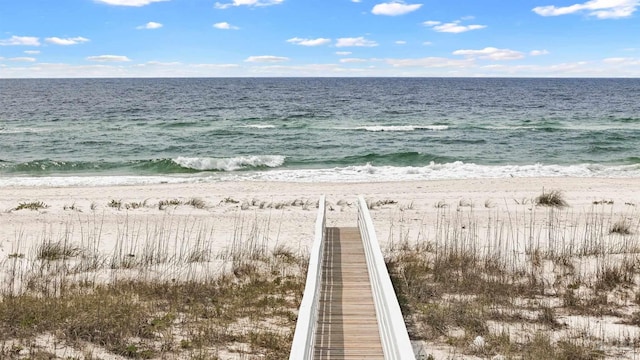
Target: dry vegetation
<point>161,293</point>
<point>534,280</point>
<point>538,281</point>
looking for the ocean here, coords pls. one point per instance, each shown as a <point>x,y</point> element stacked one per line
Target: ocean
<point>68,132</point>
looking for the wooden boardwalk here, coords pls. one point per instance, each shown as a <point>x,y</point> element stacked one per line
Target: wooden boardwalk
<point>347,325</point>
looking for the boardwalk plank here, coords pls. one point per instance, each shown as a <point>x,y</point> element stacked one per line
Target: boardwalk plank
<point>347,324</point>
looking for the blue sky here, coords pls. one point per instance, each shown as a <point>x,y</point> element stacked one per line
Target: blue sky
<point>176,38</point>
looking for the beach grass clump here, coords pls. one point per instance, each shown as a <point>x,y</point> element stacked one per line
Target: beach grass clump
<point>33,205</point>
<point>56,250</point>
<point>622,227</point>
<point>553,198</point>
<point>135,205</point>
<point>196,203</point>
<point>72,207</point>
<point>115,204</point>
<point>163,204</point>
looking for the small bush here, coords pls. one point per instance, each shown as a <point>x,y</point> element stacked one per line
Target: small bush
<point>164,203</point>
<point>116,204</point>
<point>34,205</point>
<point>553,198</point>
<point>56,251</point>
<point>196,203</point>
<point>621,227</point>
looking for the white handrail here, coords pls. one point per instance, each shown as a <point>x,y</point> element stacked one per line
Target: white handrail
<point>393,331</point>
<point>305,335</point>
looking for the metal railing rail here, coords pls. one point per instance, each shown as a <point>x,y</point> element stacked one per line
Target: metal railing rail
<point>393,331</point>
<point>305,334</point>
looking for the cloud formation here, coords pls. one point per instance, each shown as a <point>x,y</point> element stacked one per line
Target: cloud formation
<point>248,3</point>
<point>352,60</point>
<point>266,59</point>
<point>538,52</point>
<point>136,3</point>
<point>491,53</point>
<point>358,41</point>
<point>309,42</point>
<point>20,41</point>
<point>601,9</point>
<point>394,8</point>
<point>430,62</point>
<point>109,58</point>
<point>151,25</point>
<point>452,27</point>
<point>225,26</point>
<point>22,59</point>
<point>66,42</point>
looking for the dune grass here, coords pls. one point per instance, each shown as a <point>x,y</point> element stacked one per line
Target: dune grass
<point>162,293</point>
<point>518,291</point>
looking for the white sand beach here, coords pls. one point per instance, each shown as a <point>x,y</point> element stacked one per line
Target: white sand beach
<point>494,215</point>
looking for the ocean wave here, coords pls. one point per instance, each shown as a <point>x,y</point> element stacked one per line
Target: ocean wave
<point>408,158</point>
<point>381,128</point>
<point>441,171</point>
<point>259,126</point>
<point>367,172</point>
<point>230,164</point>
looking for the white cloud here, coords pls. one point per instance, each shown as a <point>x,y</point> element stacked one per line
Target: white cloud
<point>452,27</point>
<point>352,60</point>
<point>343,53</point>
<point>359,41</point>
<point>151,25</point>
<point>225,26</point>
<point>309,42</point>
<point>266,59</point>
<point>394,8</point>
<point>601,9</point>
<point>491,53</point>
<point>622,61</point>
<point>22,59</point>
<point>401,42</point>
<point>538,52</point>
<point>431,62</point>
<point>160,63</point>
<point>248,3</point>
<point>109,58</point>
<point>427,43</point>
<point>129,2</point>
<point>32,52</point>
<point>20,40</point>
<point>67,41</point>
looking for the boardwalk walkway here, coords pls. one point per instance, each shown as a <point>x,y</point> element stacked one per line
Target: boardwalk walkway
<point>347,323</point>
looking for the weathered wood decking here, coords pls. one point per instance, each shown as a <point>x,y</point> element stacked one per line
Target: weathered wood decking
<point>347,323</point>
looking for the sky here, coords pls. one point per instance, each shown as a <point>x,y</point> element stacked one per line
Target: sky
<point>337,38</point>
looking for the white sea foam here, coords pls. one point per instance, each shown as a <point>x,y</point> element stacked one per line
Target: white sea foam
<point>398,128</point>
<point>435,171</point>
<point>368,172</point>
<point>230,164</point>
<point>259,126</point>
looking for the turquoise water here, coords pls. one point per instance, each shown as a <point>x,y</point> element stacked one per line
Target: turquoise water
<point>113,131</point>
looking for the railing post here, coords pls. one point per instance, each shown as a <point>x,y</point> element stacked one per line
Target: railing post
<point>305,334</point>
<point>393,331</point>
